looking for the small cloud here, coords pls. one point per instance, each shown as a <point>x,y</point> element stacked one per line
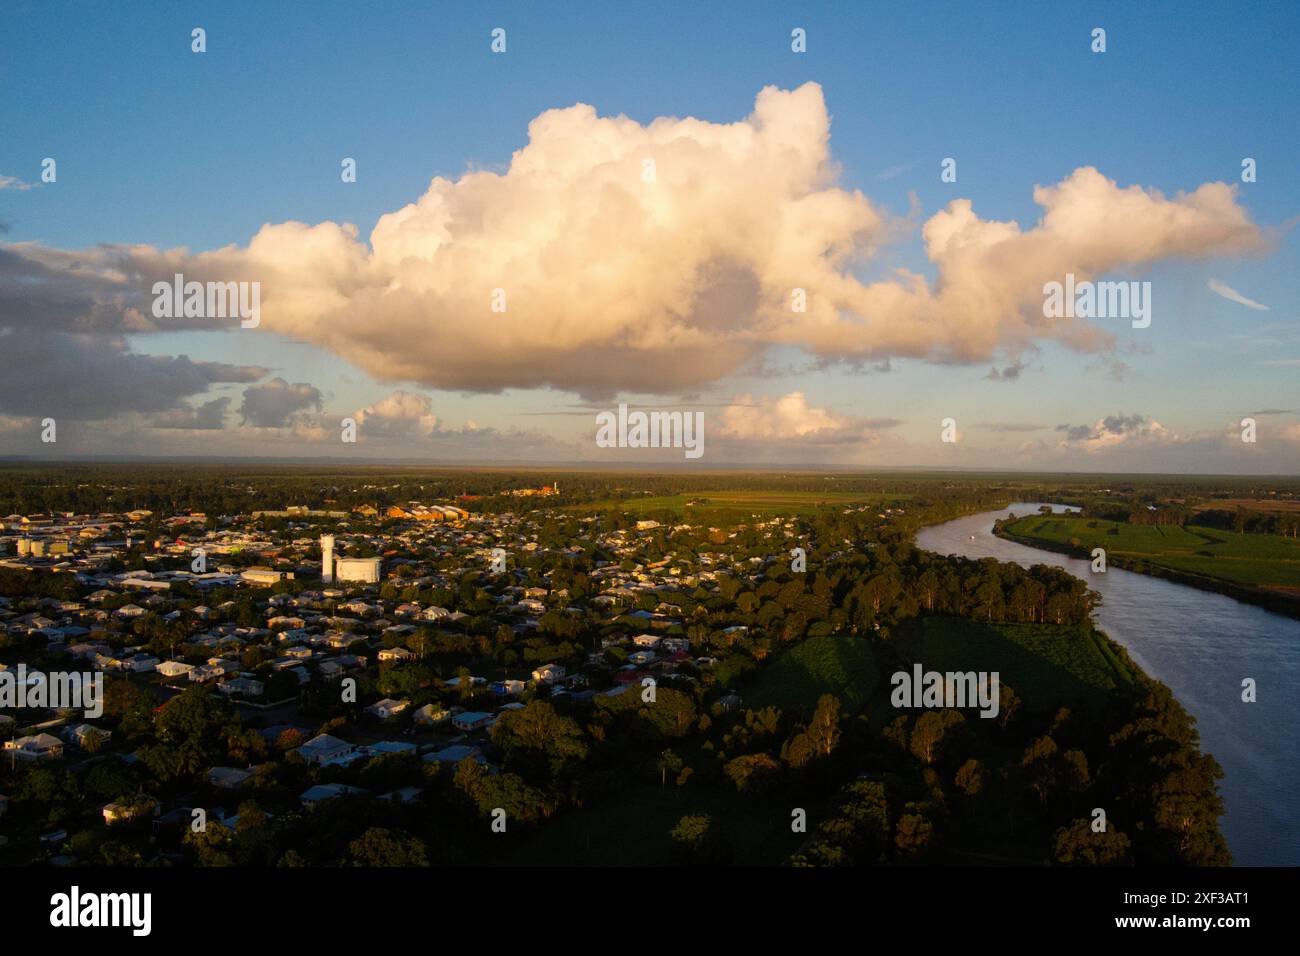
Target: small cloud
<point>893,172</point>
<point>791,418</point>
<point>13,182</point>
<point>1008,374</point>
<point>1286,361</point>
<point>1232,295</point>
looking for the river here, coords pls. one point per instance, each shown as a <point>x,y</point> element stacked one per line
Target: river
<point>1201,645</point>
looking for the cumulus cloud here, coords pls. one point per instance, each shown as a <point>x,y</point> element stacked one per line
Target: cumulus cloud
<point>1114,431</point>
<point>13,182</point>
<point>206,417</point>
<point>276,403</point>
<point>617,281</point>
<point>1232,295</point>
<point>791,418</point>
<point>399,414</point>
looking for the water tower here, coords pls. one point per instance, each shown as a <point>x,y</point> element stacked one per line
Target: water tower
<point>327,558</point>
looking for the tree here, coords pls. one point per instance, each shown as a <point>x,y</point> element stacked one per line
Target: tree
<point>379,846</point>
<point>753,773</point>
<point>914,835</point>
<point>824,729</point>
<point>698,840</point>
<point>929,732</point>
<point>536,740</point>
<point>970,778</point>
<point>1078,845</point>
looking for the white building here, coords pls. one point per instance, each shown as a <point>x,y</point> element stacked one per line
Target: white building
<point>365,570</point>
<point>549,673</point>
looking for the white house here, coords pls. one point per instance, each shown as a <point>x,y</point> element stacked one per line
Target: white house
<point>38,747</point>
<point>383,709</point>
<point>323,748</point>
<point>549,673</point>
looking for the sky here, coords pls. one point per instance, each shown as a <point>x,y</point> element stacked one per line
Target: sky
<point>626,205</point>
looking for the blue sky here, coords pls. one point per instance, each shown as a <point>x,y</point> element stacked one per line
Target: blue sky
<point>161,147</point>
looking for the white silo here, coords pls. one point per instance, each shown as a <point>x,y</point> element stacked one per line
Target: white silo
<point>327,558</point>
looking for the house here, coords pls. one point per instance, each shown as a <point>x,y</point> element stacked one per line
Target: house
<point>38,747</point>
<point>404,795</point>
<point>126,812</point>
<point>174,668</point>
<point>244,686</point>
<point>84,734</point>
<point>389,748</point>
<point>327,791</point>
<point>431,714</point>
<point>228,778</point>
<point>387,707</point>
<point>549,673</point>
<point>454,754</point>
<point>472,720</point>
<point>323,748</point>
<point>394,655</point>
<point>730,703</point>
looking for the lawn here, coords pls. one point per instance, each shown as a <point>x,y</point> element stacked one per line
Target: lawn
<point>836,664</point>
<point>1254,560</point>
<point>1048,666</point>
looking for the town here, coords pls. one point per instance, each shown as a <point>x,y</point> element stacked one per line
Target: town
<point>354,673</point>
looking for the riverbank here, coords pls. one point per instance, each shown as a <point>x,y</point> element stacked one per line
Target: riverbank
<point>1269,600</point>
<point>1201,645</point>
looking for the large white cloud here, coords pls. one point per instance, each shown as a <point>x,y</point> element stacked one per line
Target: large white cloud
<point>616,280</point>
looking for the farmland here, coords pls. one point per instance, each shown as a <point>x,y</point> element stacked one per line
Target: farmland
<point>1251,560</point>
<point>742,503</point>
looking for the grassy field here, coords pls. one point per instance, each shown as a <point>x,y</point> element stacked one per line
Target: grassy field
<point>763,503</point>
<point>1254,560</point>
<point>834,664</point>
<point>1047,666</point>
